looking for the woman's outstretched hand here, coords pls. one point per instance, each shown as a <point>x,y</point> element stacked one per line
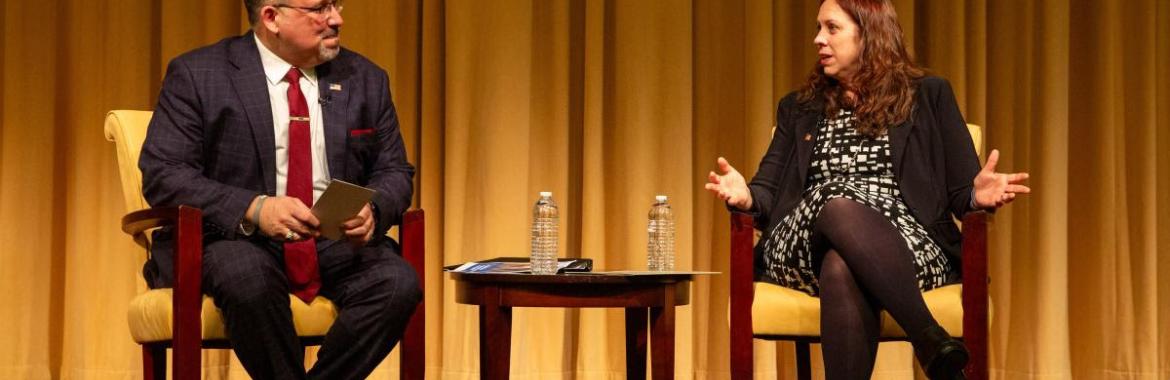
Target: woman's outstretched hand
<point>994,189</point>
<point>729,187</point>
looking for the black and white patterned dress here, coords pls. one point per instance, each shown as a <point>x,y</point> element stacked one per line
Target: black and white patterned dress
<point>848,165</point>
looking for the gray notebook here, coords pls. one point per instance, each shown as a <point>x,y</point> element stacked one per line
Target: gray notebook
<point>340,202</point>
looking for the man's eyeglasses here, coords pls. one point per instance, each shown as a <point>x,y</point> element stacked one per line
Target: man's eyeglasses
<point>321,11</point>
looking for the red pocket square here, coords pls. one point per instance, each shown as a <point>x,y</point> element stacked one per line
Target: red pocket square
<point>360,132</point>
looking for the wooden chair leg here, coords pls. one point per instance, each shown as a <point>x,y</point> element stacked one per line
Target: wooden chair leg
<point>154,362</point>
<point>977,366</point>
<point>187,361</point>
<point>741,353</point>
<point>803,363</point>
<point>412,364</point>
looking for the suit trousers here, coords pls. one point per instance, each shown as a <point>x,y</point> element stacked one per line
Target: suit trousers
<point>374,289</point>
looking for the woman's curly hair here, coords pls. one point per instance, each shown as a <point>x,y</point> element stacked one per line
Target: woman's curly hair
<point>884,83</point>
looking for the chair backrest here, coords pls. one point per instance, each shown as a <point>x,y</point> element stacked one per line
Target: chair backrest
<point>127,129</point>
<point>977,138</point>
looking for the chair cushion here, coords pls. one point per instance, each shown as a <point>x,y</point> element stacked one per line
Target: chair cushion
<point>777,310</point>
<point>150,317</point>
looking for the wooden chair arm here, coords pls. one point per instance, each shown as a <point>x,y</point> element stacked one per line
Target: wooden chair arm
<point>142,220</point>
<point>138,223</point>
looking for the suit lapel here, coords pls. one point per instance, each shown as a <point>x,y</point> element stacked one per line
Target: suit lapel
<point>334,94</point>
<point>252,89</point>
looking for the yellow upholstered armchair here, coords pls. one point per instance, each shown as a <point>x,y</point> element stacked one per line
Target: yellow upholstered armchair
<point>183,318</point>
<point>762,310</point>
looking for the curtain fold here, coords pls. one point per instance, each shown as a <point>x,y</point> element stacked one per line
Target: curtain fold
<point>31,154</point>
<point>608,103</point>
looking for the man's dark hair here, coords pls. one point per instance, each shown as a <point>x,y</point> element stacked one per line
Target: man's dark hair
<point>253,8</point>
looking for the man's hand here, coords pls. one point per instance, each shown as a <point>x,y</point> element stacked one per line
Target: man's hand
<point>285,219</point>
<point>360,228</point>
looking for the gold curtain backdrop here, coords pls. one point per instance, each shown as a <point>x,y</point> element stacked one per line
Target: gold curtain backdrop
<point>607,103</point>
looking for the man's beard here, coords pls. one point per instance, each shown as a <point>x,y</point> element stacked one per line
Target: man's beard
<point>326,54</point>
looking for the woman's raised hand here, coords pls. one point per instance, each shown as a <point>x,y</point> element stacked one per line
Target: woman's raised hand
<point>994,189</point>
<point>729,187</point>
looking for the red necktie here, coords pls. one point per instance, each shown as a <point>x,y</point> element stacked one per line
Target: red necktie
<point>300,257</point>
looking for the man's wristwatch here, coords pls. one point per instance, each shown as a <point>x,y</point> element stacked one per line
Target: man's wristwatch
<point>247,228</point>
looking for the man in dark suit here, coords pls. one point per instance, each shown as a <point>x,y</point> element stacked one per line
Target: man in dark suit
<point>251,130</point>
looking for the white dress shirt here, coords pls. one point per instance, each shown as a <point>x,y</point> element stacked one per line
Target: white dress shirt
<point>275,69</point>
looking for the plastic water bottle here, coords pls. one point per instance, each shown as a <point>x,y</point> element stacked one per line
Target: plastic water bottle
<point>660,245</point>
<point>544,235</point>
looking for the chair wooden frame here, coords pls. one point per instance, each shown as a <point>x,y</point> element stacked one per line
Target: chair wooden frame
<point>975,300</point>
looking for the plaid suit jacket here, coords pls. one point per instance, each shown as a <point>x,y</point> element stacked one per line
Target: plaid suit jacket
<point>210,143</point>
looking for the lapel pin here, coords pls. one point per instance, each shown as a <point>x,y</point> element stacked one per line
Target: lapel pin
<point>335,86</point>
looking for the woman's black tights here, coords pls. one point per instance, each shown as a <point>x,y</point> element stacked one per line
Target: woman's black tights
<point>866,267</point>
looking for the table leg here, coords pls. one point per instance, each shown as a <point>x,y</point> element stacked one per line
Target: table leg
<point>495,341</point>
<point>636,325</point>
<point>662,336</point>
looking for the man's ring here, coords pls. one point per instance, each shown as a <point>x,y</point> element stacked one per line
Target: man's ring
<point>290,235</point>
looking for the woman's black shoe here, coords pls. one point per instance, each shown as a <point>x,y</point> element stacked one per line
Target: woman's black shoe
<point>941,356</point>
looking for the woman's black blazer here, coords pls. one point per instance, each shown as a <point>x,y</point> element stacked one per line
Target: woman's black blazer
<point>934,163</point>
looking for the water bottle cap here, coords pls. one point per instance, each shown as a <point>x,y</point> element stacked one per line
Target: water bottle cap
<point>546,193</point>
<point>660,198</point>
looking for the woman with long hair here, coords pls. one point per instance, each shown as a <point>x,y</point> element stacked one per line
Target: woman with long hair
<point>869,164</point>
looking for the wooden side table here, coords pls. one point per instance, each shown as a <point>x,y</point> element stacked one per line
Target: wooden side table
<point>643,295</point>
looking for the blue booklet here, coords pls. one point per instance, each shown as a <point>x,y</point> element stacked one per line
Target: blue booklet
<point>518,265</point>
